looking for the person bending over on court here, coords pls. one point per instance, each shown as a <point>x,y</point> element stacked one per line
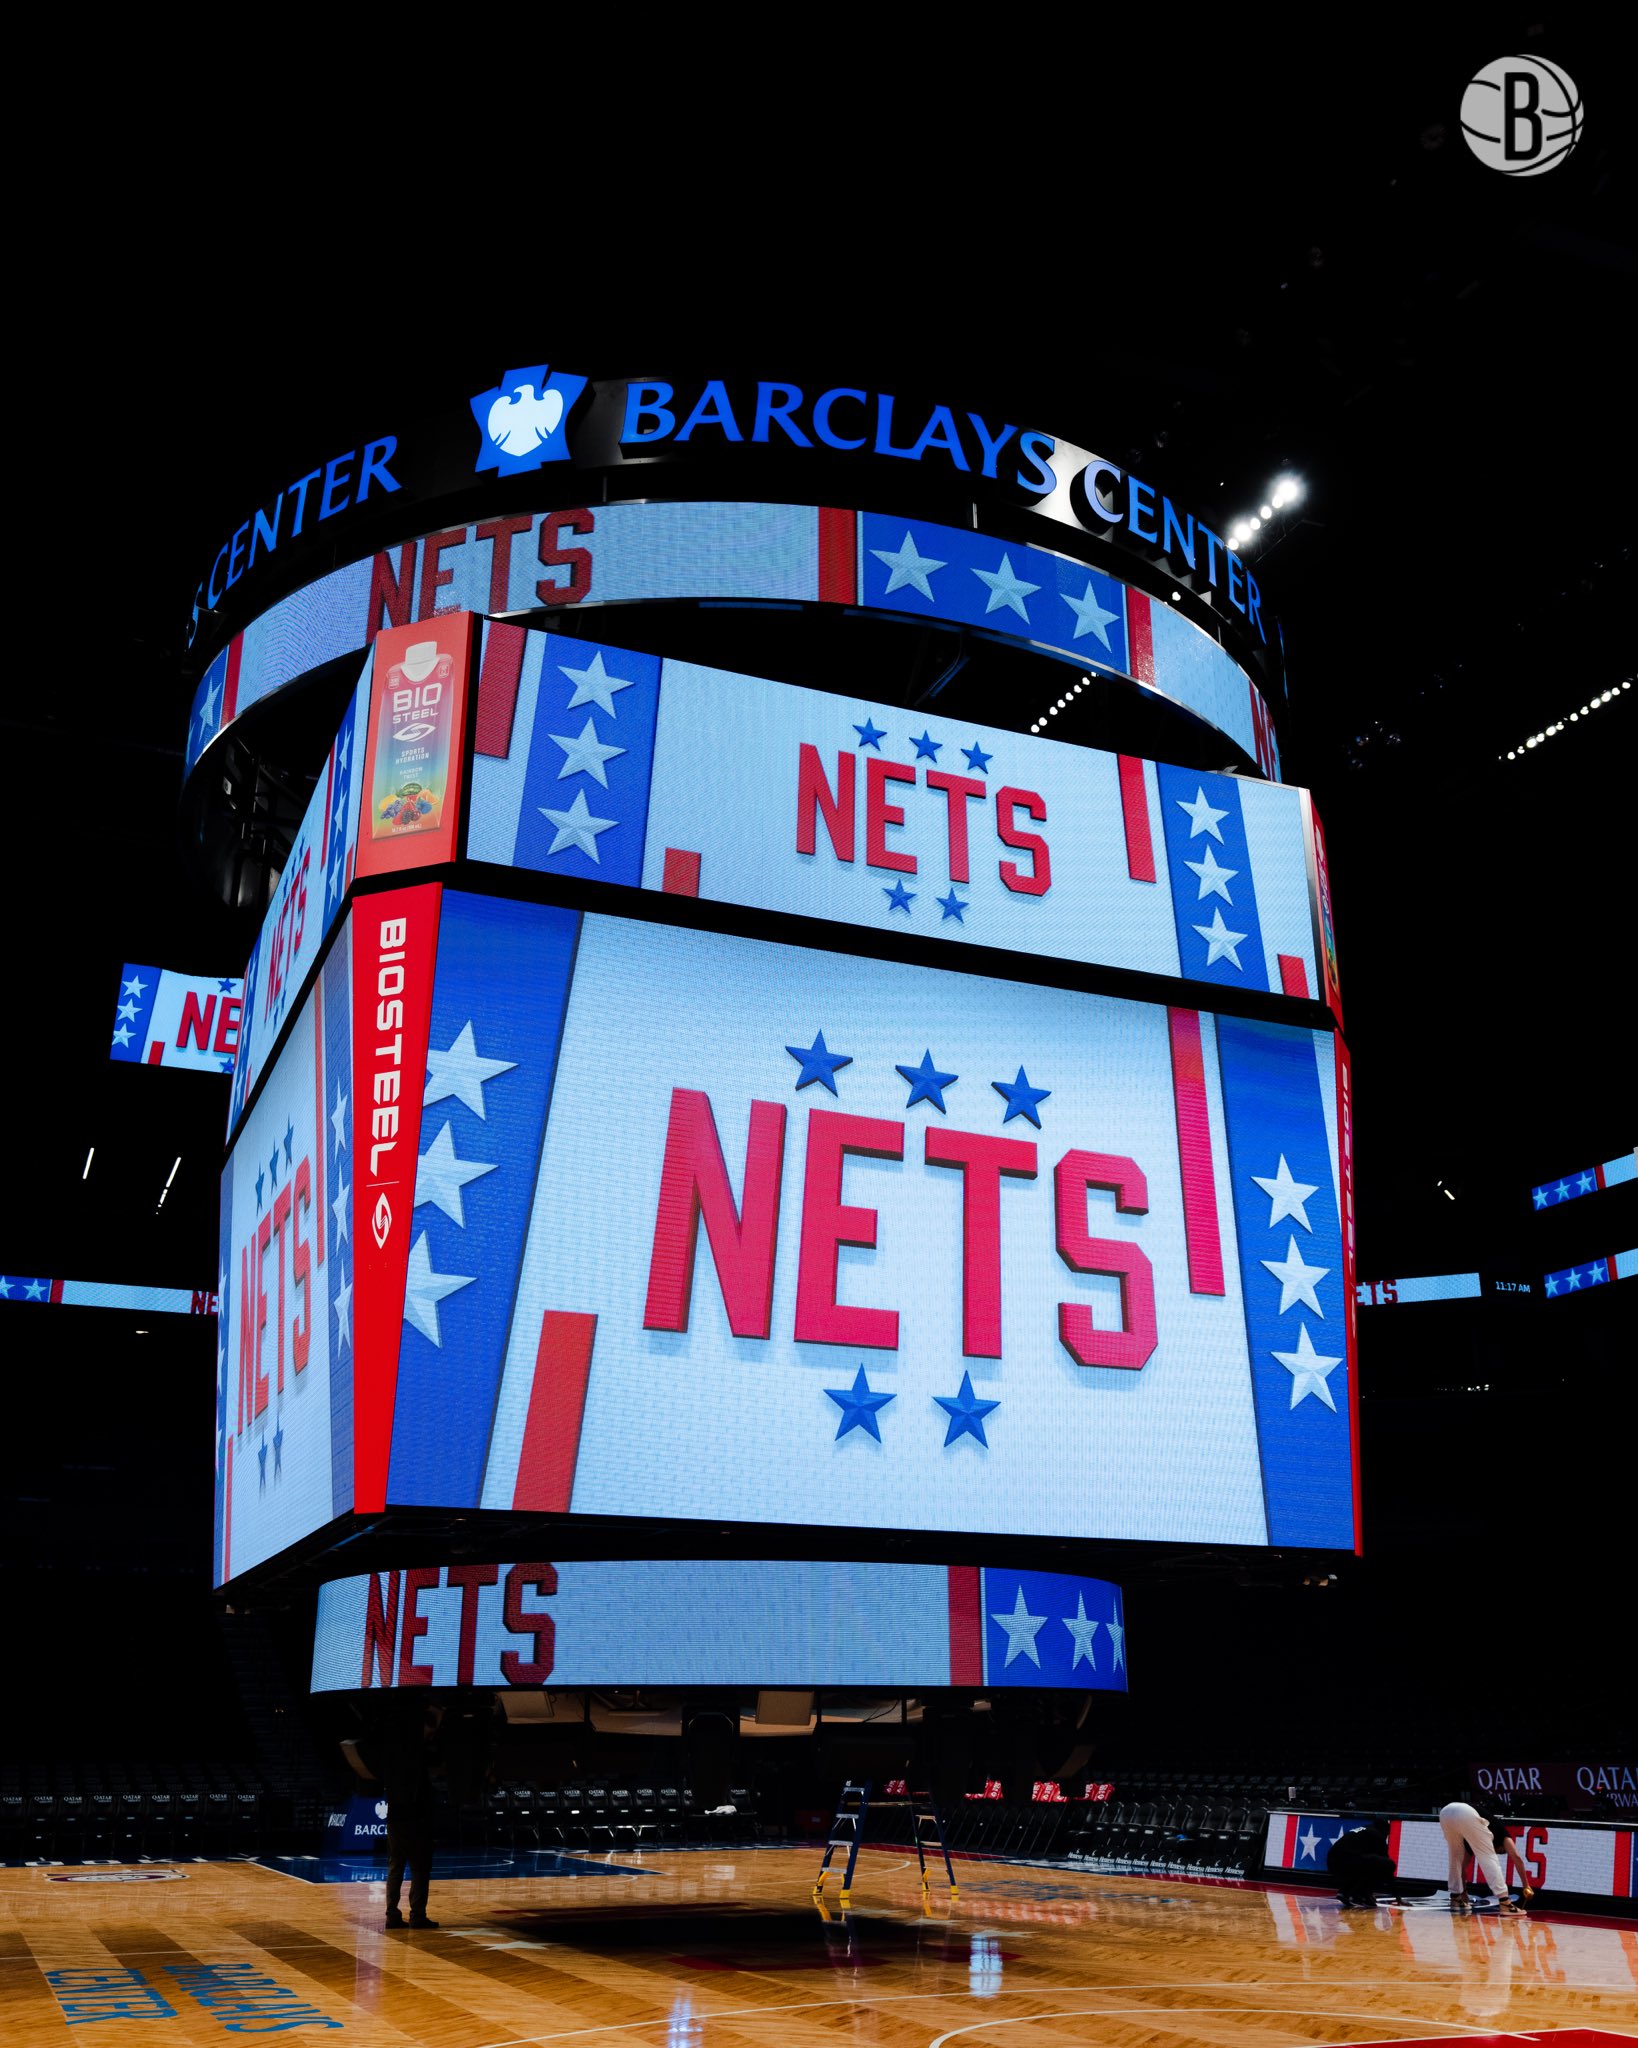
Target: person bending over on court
<point>1466,1829</point>
<point>1362,1865</point>
<point>1501,1840</point>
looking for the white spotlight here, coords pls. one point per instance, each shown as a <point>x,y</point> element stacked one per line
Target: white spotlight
<point>1231,542</point>
<point>1268,511</point>
<point>1254,522</point>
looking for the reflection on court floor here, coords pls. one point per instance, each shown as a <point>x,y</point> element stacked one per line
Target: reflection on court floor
<point>724,1949</point>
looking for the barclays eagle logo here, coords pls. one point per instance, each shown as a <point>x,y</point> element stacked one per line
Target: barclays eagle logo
<point>523,420</point>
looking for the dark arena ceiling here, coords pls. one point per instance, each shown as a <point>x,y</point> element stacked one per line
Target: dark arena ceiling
<point>1216,276</point>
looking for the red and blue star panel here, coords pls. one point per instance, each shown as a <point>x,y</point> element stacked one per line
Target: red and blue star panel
<point>1587,1180</point>
<point>157,1301</point>
<point>1590,1274</point>
<point>167,1019</point>
<point>603,764</point>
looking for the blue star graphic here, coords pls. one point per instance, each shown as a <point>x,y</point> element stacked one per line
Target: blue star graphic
<point>273,1166</point>
<point>261,1460</point>
<point>899,897</point>
<point>1540,1196</point>
<point>260,1177</point>
<point>818,1063</point>
<point>858,1405</point>
<point>1588,1183</point>
<point>927,1084</point>
<point>977,760</point>
<point>966,1413</point>
<point>278,1450</point>
<point>1594,1275</point>
<point>289,1140</point>
<point>1021,1099</point>
<point>225,984</point>
<point>1552,1283</point>
<point>926,747</point>
<point>227,1066</point>
<point>952,906</point>
<point>871,734</point>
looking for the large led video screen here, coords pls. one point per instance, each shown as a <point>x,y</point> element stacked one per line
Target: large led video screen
<point>634,553</point>
<point>975,1255</point>
<point>719,1622</point>
<point>284,1356</point>
<point>607,765</point>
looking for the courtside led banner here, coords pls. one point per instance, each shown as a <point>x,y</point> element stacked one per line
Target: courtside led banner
<point>1586,1180</point>
<point>603,764</point>
<point>719,1623</point>
<point>166,1019</point>
<point>161,1301</point>
<point>653,1222</point>
<point>786,554</point>
<point>1560,1858</point>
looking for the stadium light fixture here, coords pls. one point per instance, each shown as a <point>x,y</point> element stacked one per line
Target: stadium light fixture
<point>86,1171</point>
<point>175,1163</point>
<point>1593,703</point>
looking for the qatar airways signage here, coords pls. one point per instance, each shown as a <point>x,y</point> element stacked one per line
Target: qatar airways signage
<point>1608,1783</point>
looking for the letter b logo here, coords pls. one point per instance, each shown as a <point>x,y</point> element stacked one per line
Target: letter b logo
<point>1521,115</point>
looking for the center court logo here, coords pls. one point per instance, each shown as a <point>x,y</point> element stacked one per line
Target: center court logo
<point>523,420</point>
<point>1521,115</point>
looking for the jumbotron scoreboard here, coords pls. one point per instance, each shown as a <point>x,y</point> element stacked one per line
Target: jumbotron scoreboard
<point>664,1092</point>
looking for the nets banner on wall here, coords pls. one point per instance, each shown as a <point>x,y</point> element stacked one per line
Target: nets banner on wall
<point>600,763</point>
<point>680,1622</point>
<point>976,1255</point>
<point>640,552</point>
<point>1572,1858</point>
<point>167,1019</point>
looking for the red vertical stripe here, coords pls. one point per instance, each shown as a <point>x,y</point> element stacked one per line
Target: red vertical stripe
<point>1350,1296</point>
<point>966,1626</point>
<point>557,1406</point>
<point>227,1507</point>
<point>156,1053</point>
<point>1134,810</point>
<point>56,1291</point>
<point>1394,1827</point>
<point>384,1172</point>
<point>498,681</point>
<point>329,787</point>
<point>682,873</point>
<point>1194,1154</point>
<point>230,687</point>
<point>1140,643</point>
<point>1621,1880</point>
<point>1293,975</point>
<point>1601,1180</point>
<point>1288,1855</point>
<point>320,1129</point>
<point>838,556</point>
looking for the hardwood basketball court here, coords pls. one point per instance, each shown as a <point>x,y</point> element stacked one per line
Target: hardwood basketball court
<point>725,1948</point>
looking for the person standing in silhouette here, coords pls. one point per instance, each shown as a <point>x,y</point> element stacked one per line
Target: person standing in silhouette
<point>406,1778</point>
